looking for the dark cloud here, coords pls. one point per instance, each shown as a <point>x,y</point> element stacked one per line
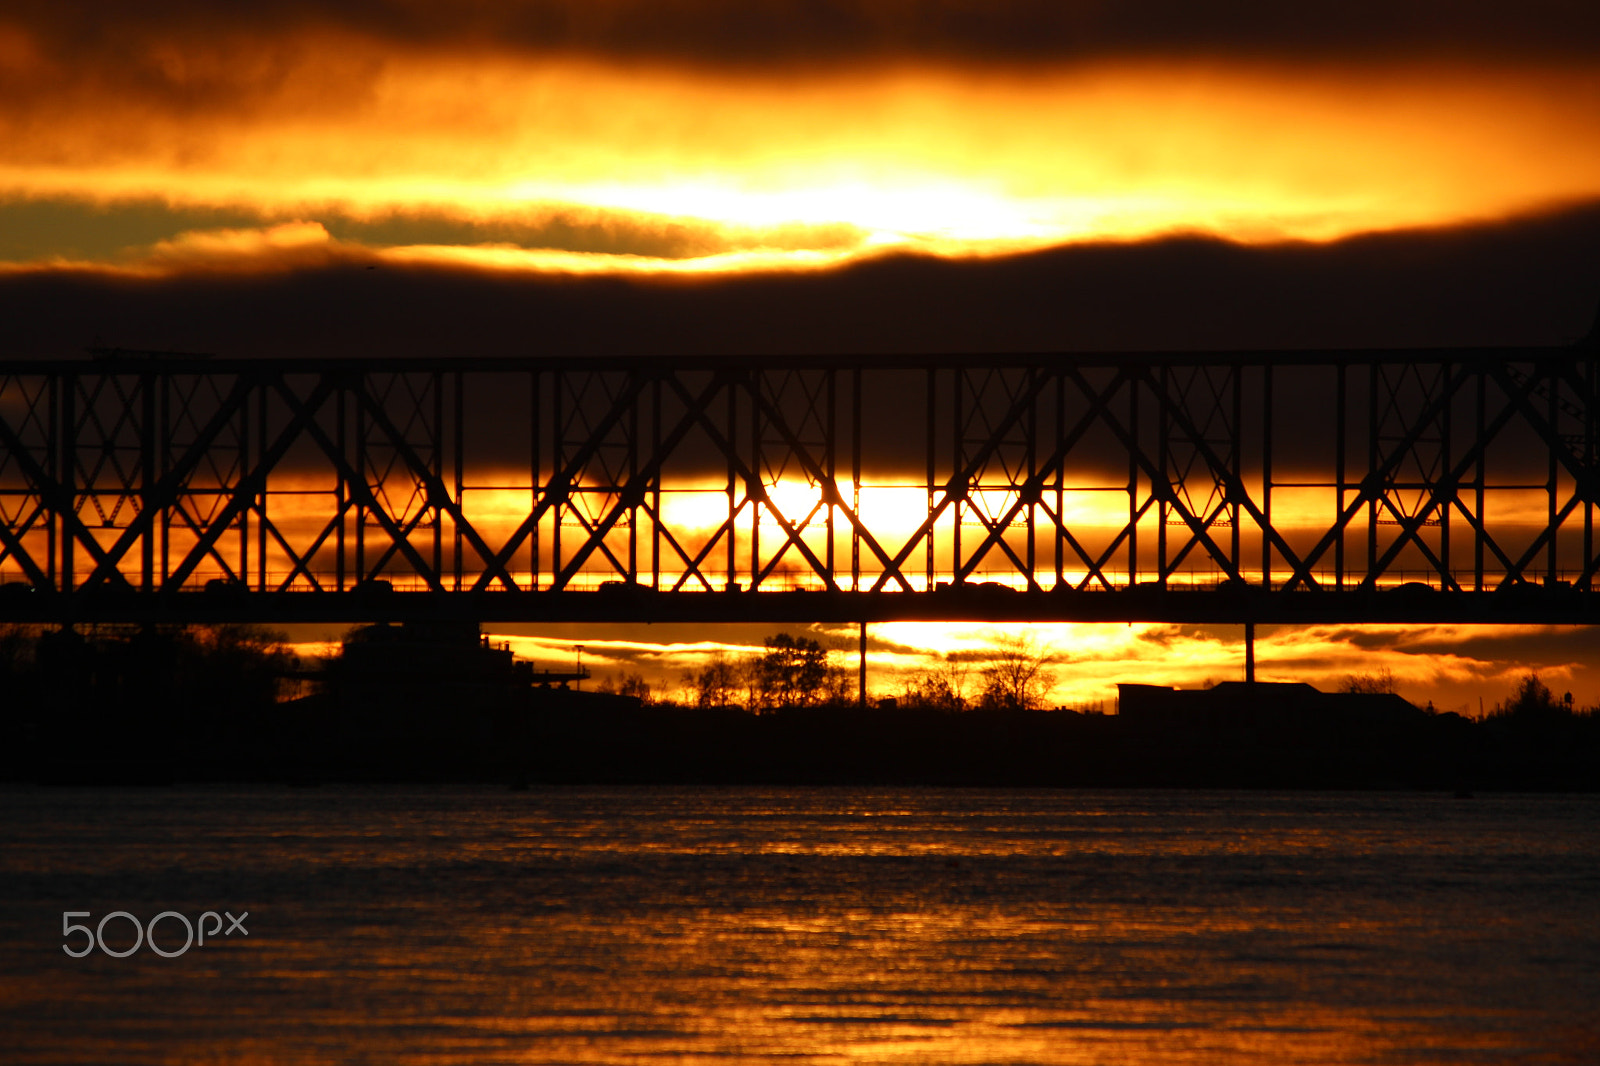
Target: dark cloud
<point>1515,644</point>
<point>1534,281</point>
<point>760,32</point>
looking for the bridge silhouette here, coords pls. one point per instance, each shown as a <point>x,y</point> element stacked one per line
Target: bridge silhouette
<point>1244,487</point>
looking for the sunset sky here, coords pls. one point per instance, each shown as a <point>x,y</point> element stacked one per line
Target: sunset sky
<point>751,176</point>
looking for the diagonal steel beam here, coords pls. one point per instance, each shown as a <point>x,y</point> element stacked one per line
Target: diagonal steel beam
<point>1162,485</point>
<point>14,548</point>
<point>56,496</point>
<point>1450,483</point>
<point>637,487</point>
<point>672,542</point>
<point>830,484</point>
<point>437,494</point>
<point>250,485</point>
<point>1234,490</point>
<point>302,563</point>
<point>165,493</point>
<point>1019,407</point>
<point>1371,487</point>
<point>304,417</point>
<point>1035,484</point>
<point>772,564</point>
<point>753,480</point>
<point>561,481</point>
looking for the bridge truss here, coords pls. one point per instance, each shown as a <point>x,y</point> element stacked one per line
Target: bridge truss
<point>1350,485</point>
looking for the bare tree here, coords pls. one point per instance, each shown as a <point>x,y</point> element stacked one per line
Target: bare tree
<point>715,684</point>
<point>1017,675</point>
<point>636,686</point>
<point>940,688</point>
<point>1378,683</point>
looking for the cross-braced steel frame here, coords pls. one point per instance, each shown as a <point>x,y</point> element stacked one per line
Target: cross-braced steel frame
<point>1352,485</point>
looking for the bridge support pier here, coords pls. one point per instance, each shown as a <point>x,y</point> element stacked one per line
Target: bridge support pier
<point>1250,653</point>
<point>861,695</point>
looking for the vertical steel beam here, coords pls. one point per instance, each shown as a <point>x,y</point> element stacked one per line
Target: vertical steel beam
<point>1164,465</point>
<point>830,461</point>
<point>1267,416</point>
<point>1236,468</point>
<point>436,467</point>
<point>262,519</point>
<point>655,484</point>
<point>631,503</point>
<point>1030,445</point>
<point>459,470</point>
<point>932,418</point>
<point>69,478</point>
<point>756,492</point>
<point>558,463</point>
<point>731,576</point>
<point>1133,478</point>
<point>957,464</point>
<point>855,477</point>
<point>1478,508</point>
<point>1060,472</point>
<point>341,487</point>
<point>147,476</point>
<point>536,480</point>
<point>52,458</point>
<point>1374,373</point>
<point>1588,489</point>
<point>242,472</point>
<point>164,444</point>
<point>1552,443</point>
<point>1340,427</point>
<point>1447,492</point>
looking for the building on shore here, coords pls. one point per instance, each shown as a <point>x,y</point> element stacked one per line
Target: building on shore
<point>1263,711</point>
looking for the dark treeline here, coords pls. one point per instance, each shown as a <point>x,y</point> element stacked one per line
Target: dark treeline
<point>1530,744</point>
<point>140,704</point>
<point>231,704</point>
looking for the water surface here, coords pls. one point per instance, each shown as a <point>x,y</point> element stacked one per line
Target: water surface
<point>674,925</point>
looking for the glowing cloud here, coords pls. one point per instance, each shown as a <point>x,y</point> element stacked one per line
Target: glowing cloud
<point>815,167</point>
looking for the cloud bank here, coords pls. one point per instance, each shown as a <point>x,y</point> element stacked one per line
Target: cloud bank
<point>285,291</point>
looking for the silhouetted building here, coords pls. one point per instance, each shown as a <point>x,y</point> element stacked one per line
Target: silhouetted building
<point>452,655</point>
<point>1266,711</point>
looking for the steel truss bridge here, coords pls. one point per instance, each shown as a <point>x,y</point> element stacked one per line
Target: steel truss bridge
<point>1353,486</point>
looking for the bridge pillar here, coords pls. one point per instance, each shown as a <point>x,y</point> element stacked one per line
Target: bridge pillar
<point>862,681</point>
<point>1250,653</point>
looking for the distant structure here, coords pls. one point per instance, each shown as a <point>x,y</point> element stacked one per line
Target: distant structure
<point>436,654</point>
<point>1260,710</point>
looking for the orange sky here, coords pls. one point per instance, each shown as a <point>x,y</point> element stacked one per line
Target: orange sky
<point>614,163</point>
<point>525,139</point>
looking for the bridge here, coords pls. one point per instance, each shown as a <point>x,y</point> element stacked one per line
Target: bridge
<point>1244,487</point>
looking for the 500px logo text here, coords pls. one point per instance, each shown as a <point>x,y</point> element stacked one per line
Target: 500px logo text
<point>146,934</point>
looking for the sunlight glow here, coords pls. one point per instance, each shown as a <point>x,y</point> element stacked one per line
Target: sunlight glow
<point>816,169</point>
